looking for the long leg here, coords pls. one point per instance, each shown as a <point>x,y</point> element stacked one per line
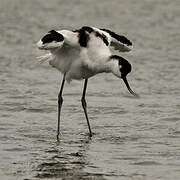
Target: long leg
<point>84,105</point>
<point>60,101</point>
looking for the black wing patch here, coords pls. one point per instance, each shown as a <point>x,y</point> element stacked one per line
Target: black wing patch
<point>101,36</point>
<point>120,38</point>
<point>83,37</point>
<point>52,36</point>
<point>88,29</point>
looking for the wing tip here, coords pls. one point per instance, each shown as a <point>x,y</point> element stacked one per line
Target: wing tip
<point>129,48</point>
<point>122,39</point>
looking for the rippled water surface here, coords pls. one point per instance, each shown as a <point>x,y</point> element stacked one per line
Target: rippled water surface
<point>134,138</point>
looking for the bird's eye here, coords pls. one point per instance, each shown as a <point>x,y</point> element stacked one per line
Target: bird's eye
<point>121,70</point>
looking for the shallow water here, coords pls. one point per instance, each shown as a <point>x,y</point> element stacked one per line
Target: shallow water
<point>134,138</point>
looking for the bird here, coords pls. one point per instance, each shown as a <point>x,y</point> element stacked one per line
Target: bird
<point>82,53</point>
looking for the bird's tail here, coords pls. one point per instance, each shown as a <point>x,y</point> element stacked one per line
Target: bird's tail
<point>45,58</point>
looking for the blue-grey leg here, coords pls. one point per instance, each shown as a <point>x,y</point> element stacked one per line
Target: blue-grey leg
<point>60,101</point>
<point>84,105</point>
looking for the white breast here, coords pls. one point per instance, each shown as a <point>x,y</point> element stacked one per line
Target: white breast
<point>64,58</point>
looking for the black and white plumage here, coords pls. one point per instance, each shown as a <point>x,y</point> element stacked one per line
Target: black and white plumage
<point>83,53</point>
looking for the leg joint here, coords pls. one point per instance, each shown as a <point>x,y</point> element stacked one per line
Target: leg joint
<point>83,101</point>
<point>60,100</point>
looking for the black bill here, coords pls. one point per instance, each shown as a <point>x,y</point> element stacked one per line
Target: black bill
<point>128,87</point>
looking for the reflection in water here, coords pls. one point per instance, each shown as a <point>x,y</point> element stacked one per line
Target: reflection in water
<point>59,162</point>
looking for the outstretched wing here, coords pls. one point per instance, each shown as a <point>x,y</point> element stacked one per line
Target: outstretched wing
<point>54,41</point>
<point>51,40</point>
<point>119,42</point>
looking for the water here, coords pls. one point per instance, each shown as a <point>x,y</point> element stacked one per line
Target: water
<point>135,138</point>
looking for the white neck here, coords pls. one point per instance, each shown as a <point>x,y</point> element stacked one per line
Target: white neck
<point>114,67</point>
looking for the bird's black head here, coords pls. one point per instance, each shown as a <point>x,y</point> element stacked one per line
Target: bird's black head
<point>124,68</point>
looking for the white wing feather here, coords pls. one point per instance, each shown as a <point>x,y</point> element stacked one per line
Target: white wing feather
<point>118,42</point>
<point>45,58</point>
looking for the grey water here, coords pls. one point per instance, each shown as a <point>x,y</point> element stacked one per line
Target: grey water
<point>134,138</point>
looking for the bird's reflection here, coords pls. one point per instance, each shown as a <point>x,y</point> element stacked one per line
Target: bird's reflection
<point>65,159</point>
